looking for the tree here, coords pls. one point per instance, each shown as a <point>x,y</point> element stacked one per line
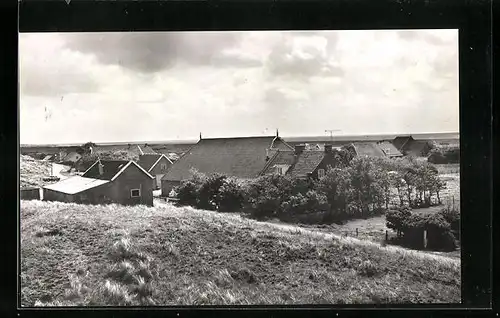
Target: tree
<point>335,187</point>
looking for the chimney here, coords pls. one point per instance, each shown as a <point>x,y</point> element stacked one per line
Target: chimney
<point>328,148</point>
<point>101,168</point>
<point>299,149</point>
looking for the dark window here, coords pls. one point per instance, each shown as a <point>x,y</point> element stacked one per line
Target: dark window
<point>135,193</point>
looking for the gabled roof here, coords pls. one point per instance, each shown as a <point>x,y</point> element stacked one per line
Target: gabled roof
<point>369,149</point>
<point>149,161</point>
<point>281,157</point>
<point>401,141</point>
<point>111,169</point>
<point>75,185</point>
<point>243,157</point>
<point>389,149</point>
<point>307,162</point>
<point>144,150</point>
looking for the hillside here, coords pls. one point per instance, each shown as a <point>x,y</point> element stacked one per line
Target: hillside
<point>32,171</point>
<point>114,255</point>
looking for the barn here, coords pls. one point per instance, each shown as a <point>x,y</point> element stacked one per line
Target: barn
<point>241,157</point>
<point>156,164</point>
<point>106,181</point>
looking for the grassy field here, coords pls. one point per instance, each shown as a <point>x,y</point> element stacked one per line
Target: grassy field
<point>114,255</point>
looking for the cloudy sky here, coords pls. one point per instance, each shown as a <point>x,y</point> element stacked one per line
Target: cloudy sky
<point>104,87</point>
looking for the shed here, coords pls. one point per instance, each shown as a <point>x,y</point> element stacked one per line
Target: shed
<point>106,181</point>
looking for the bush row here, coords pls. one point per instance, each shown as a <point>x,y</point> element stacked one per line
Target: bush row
<point>443,228</point>
<point>364,187</point>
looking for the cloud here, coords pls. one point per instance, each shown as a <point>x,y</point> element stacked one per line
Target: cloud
<point>41,75</point>
<point>303,57</point>
<point>129,87</point>
<point>154,51</point>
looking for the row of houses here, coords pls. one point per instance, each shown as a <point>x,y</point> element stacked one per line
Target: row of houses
<point>130,182</point>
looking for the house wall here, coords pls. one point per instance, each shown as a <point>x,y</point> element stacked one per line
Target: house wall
<point>97,195</point>
<point>167,186</point>
<point>158,172</point>
<point>51,195</point>
<point>132,178</point>
<point>324,164</point>
<point>30,194</point>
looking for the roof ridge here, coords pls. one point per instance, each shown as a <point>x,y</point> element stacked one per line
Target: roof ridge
<point>269,162</point>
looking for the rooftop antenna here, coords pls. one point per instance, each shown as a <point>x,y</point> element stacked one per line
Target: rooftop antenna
<point>200,135</point>
<point>277,133</point>
<point>331,131</point>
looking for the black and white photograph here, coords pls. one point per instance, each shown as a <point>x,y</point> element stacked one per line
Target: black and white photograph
<point>226,168</point>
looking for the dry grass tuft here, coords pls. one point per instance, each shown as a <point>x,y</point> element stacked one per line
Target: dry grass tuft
<point>117,294</point>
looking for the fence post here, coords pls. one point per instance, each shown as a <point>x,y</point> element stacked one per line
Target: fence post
<point>425,238</point>
<point>453,206</point>
<point>386,235</point>
<point>356,231</point>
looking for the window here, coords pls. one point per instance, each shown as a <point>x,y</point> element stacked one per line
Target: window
<point>135,193</point>
<point>321,173</point>
<point>279,170</point>
<point>163,166</point>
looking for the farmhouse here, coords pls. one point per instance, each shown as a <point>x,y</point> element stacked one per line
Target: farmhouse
<point>368,149</point>
<point>106,181</point>
<point>242,157</point>
<point>407,145</point>
<point>302,163</point>
<point>389,149</point>
<point>156,164</point>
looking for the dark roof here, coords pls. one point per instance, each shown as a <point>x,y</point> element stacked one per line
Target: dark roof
<point>148,160</point>
<point>389,149</point>
<point>147,149</point>
<point>243,157</point>
<point>368,149</point>
<point>281,157</point>
<point>306,163</point>
<point>110,169</point>
<point>400,141</point>
<point>416,147</point>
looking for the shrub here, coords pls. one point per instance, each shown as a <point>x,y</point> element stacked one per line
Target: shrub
<point>452,216</point>
<point>397,219</point>
<point>411,226</point>
<point>265,195</point>
<point>299,204</point>
<point>188,190</point>
<point>230,196</point>
<point>207,193</point>
<point>187,193</point>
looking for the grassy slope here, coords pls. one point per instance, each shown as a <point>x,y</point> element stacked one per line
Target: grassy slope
<point>112,255</point>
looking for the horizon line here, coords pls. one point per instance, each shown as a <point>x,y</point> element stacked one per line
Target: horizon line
<point>194,140</point>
